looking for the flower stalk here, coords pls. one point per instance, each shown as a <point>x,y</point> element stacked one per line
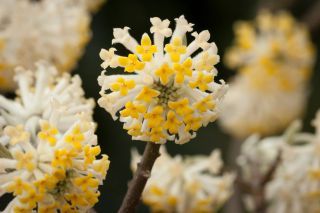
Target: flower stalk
<point>136,186</point>
<point>257,187</point>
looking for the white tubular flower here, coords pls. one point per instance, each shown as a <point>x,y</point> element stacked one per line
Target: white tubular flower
<point>170,92</point>
<point>295,186</point>
<point>48,170</point>
<point>256,158</point>
<point>40,92</point>
<point>185,185</point>
<point>48,148</point>
<point>109,58</point>
<point>275,57</point>
<point>60,30</point>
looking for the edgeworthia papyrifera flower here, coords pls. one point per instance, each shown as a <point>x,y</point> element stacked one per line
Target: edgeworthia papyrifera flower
<point>56,31</point>
<point>186,184</point>
<point>48,148</point>
<point>275,57</point>
<point>39,92</point>
<point>256,159</point>
<point>169,91</point>
<point>295,187</point>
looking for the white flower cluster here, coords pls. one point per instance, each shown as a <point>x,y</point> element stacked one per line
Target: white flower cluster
<point>185,185</point>
<point>56,31</point>
<point>43,91</point>
<point>274,57</point>
<point>294,186</point>
<point>48,148</point>
<point>170,91</point>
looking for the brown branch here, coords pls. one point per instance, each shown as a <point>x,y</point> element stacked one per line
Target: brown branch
<point>256,188</point>
<point>260,198</point>
<point>136,186</point>
<point>269,175</point>
<point>312,17</point>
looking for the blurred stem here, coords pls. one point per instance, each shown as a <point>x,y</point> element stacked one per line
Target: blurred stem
<point>256,187</point>
<point>136,186</point>
<point>312,17</point>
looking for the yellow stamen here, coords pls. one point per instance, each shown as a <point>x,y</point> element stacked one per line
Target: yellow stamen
<point>182,70</point>
<point>175,49</point>
<point>146,49</point>
<point>123,86</point>
<point>131,63</point>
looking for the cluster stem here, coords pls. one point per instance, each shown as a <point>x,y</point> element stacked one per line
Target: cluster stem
<point>140,178</point>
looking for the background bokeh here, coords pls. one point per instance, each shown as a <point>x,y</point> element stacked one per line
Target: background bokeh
<point>218,17</point>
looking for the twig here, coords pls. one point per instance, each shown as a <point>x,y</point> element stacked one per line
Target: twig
<point>312,17</point>
<point>256,188</point>
<point>260,198</point>
<point>136,186</point>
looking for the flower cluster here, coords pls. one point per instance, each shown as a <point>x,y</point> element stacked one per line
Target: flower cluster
<point>49,170</point>
<point>190,184</point>
<point>298,171</point>
<point>48,149</point>
<point>169,91</point>
<point>40,92</point>
<point>59,28</point>
<point>257,158</point>
<point>274,57</point>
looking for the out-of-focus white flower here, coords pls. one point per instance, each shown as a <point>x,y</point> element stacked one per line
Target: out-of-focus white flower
<point>48,148</point>
<point>296,185</point>
<point>40,92</point>
<point>185,185</point>
<point>170,92</point>
<point>55,31</point>
<point>275,58</point>
<point>258,156</point>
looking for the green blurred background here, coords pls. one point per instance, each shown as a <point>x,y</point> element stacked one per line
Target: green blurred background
<point>218,17</point>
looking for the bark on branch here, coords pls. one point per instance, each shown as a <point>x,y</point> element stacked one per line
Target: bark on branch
<point>136,186</point>
<point>256,188</point>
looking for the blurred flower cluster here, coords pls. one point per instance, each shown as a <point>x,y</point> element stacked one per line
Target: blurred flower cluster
<point>56,31</point>
<point>274,57</point>
<point>294,186</point>
<point>170,91</point>
<point>186,184</point>
<point>48,148</point>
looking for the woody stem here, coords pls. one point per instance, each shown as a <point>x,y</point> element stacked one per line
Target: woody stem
<point>137,184</point>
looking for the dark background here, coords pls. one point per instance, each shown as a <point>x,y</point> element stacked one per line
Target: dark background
<point>218,17</point>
